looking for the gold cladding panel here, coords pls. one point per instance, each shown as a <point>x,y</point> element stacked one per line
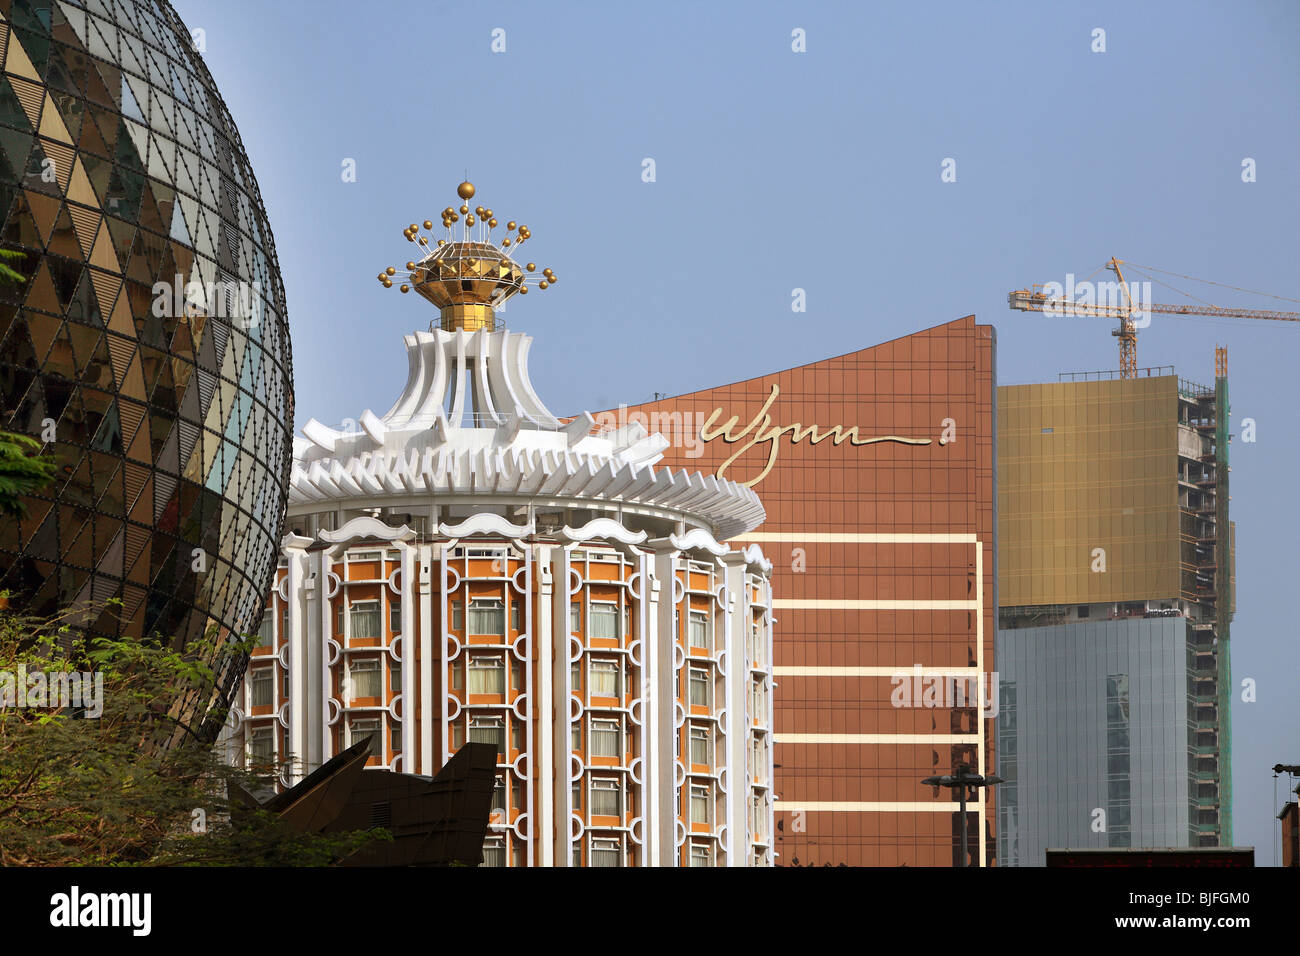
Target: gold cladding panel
<point>1085,466</point>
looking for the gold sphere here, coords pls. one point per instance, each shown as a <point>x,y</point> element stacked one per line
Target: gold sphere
<point>464,209</point>
<point>390,271</point>
<point>523,290</point>
<point>428,224</point>
<point>511,225</point>
<point>506,243</point>
<point>478,210</point>
<point>542,284</point>
<point>553,279</point>
<point>424,241</point>
<point>406,288</point>
<point>413,228</point>
<point>492,223</point>
<point>531,267</point>
<point>455,217</point>
<point>410,266</point>
<point>388,283</point>
<point>442,242</point>
<point>465,190</point>
<point>489,213</point>
<point>469,220</point>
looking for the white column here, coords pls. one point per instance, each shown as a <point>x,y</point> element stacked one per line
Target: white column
<point>660,658</point>
<point>294,547</point>
<point>422,601</point>
<point>543,827</point>
<point>561,712</point>
<point>738,722</point>
<point>410,642</point>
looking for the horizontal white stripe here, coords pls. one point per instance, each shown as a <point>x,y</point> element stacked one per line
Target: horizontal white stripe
<point>815,604</point>
<point>877,806</point>
<point>877,738</point>
<point>874,671</point>
<point>854,537</point>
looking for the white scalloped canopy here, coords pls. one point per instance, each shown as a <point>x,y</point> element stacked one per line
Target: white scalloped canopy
<point>469,423</point>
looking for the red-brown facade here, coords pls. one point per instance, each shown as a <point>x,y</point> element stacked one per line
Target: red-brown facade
<point>883,540</point>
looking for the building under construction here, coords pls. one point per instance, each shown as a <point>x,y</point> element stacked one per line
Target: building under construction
<point>1116,592</point>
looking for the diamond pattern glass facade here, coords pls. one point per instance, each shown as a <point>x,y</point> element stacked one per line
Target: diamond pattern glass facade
<point>147,346</point>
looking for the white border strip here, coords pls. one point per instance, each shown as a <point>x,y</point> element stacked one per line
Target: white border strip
<point>876,738</point>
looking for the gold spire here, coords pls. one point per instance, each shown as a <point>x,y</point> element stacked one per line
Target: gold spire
<point>468,276</point>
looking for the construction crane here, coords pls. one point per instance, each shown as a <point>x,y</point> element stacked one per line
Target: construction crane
<point>1115,300</point>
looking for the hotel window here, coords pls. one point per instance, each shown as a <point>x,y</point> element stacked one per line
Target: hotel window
<point>457,675</point>
<point>395,737</point>
<point>266,632</point>
<point>487,617</point>
<point>364,556</point>
<point>606,797</point>
<point>701,687</point>
<point>395,615</point>
<point>604,621</point>
<point>700,636</point>
<point>701,853</point>
<point>518,856</point>
<point>457,735</point>
<point>262,746</point>
<point>488,730</point>
<point>365,619</point>
<point>575,737</point>
<point>457,615</point>
<point>517,797</point>
<point>575,677</point>
<point>757,700</point>
<point>701,744</point>
<point>516,734</point>
<point>757,760</point>
<point>604,679</point>
<point>758,818</point>
<point>701,805</point>
<point>365,678</point>
<point>494,851</point>
<point>263,686</point>
<point>756,644</point>
<point>514,615</point>
<point>517,675</point>
<point>361,729</point>
<point>395,675</point>
<point>606,852</point>
<point>575,617</point>
<point>605,738</point>
<point>338,621</point>
<point>487,675</point>
<point>286,685</point>
<point>577,796</point>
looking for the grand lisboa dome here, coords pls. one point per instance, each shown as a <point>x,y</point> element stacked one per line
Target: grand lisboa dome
<point>147,347</point>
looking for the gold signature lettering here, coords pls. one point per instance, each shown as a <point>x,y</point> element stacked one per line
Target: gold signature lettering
<point>760,429</point>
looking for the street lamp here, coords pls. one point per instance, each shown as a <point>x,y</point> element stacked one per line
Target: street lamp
<point>963,781</point>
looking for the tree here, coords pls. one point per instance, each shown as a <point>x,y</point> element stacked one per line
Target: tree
<point>82,781</point>
<point>21,471</point>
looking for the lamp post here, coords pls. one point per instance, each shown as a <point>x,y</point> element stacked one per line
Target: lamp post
<point>963,781</point>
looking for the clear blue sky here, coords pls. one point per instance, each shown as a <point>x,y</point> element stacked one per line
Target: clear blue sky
<point>819,170</point>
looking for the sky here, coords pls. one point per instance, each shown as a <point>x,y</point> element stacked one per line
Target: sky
<point>819,170</point>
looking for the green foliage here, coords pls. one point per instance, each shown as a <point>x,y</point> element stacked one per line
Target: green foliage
<point>131,786</point>
<point>21,471</point>
<point>8,274</point>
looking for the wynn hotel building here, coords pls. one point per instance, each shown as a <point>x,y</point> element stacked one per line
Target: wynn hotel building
<point>877,473</point>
